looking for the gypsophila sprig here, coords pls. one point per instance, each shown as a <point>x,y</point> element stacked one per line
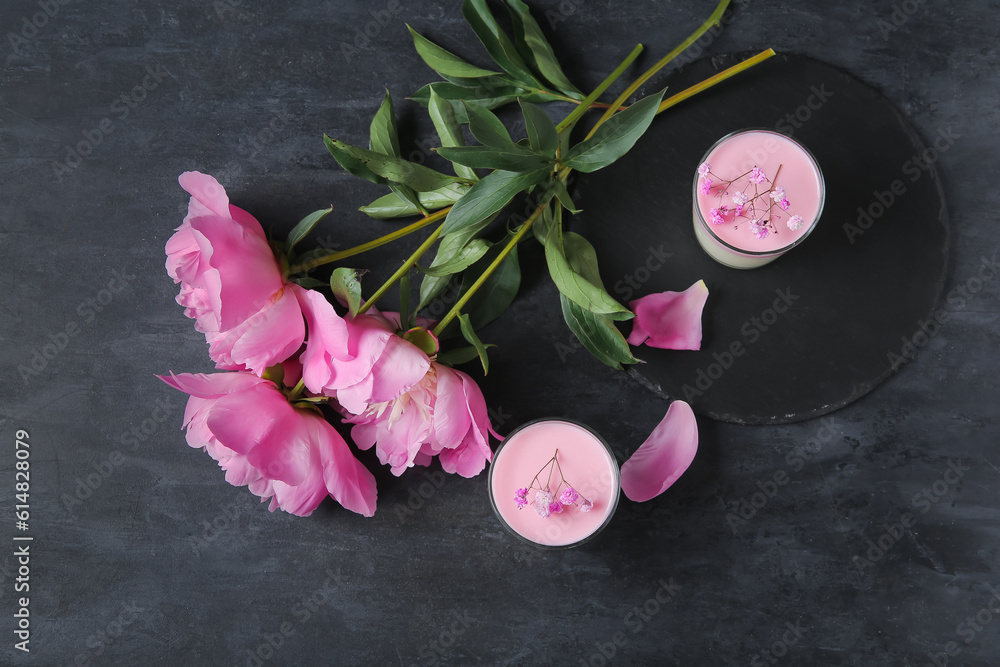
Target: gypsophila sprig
<point>548,500</point>
<point>752,198</point>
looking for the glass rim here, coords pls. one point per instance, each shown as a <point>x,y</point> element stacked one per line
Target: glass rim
<point>760,253</point>
<point>616,468</point>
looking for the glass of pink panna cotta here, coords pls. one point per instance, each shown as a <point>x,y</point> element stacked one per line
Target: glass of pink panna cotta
<point>585,462</point>
<point>736,242</point>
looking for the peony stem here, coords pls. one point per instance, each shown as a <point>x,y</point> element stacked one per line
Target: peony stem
<point>403,270</point>
<point>712,80</point>
<point>457,308</point>
<point>712,20</point>
<point>590,99</point>
<point>370,245</point>
<point>297,390</point>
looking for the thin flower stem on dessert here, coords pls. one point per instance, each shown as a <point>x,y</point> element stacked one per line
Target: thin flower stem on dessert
<point>371,245</point>
<point>403,270</point>
<point>713,80</point>
<point>549,501</point>
<point>589,101</point>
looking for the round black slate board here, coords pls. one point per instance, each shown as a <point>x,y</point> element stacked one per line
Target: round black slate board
<point>852,295</point>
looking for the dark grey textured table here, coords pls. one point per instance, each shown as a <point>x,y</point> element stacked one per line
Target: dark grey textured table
<point>866,537</point>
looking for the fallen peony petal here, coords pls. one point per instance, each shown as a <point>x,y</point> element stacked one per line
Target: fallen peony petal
<point>663,458</point>
<point>669,320</point>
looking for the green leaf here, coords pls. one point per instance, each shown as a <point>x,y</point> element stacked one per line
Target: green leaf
<point>459,355</point>
<point>449,247</point>
<point>470,335</point>
<point>483,93</point>
<point>497,43</point>
<point>548,227</point>
<point>308,282</point>
<point>385,139</point>
<point>383,132</point>
<point>488,196</point>
<point>562,194</point>
<point>512,158</point>
<point>304,226</point>
<point>498,291</point>
<point>409,196</point>
<point>615,137</point>
<point>598,334</point>
<point>397,170</point>
<point>542,135</point>
<point>578,283</point>
<point>537,51</point>
<point>352,164</point>
<point>486,127</point>
<point>394,206</point>
<point>466,257</point>
<point>442,114</point>
<point>346,287</point>
<point>444,62</point>
<point>582,257</point>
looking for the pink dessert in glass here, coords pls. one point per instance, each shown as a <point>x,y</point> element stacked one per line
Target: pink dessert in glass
<point>573,464</point>
<point>757,194</point>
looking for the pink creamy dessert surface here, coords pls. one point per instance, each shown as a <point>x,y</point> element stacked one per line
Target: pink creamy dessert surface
<point>586,464</point>
<point>766,150</point>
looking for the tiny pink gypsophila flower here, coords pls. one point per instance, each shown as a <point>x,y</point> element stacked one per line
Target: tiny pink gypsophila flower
<point>543,503</point>
<point>568,496</point>
<point>757,175</point>
<point>795,223</point>
<point>704,169</point>
<point>716,216</point>
<point>778,193</point>
<point>705,187</point>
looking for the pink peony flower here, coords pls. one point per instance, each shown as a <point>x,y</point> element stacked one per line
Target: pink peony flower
<point>290,455</point>
<point>663,457</point>
<point>443,414</point>
<point>669,320</point>
<point>360,361</point>
<point>231,283</point>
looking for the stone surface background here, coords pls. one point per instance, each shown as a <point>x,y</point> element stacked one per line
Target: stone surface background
<point>164,563</point>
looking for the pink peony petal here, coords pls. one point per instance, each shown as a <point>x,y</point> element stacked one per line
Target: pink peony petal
<point>261,424</point>
<point>451,408</point>
<point>663,457</point>
<point>345,478</point>
<point>468,459</point>
<point>401,365</point>
<point>206,193</point>
<point>268,337</point>
<point>328,339</point>
<point>211,386</point>
<point>669,320</point>
<point>244,272</point>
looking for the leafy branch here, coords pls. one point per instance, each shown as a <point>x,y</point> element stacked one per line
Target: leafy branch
<point>539,164</point>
